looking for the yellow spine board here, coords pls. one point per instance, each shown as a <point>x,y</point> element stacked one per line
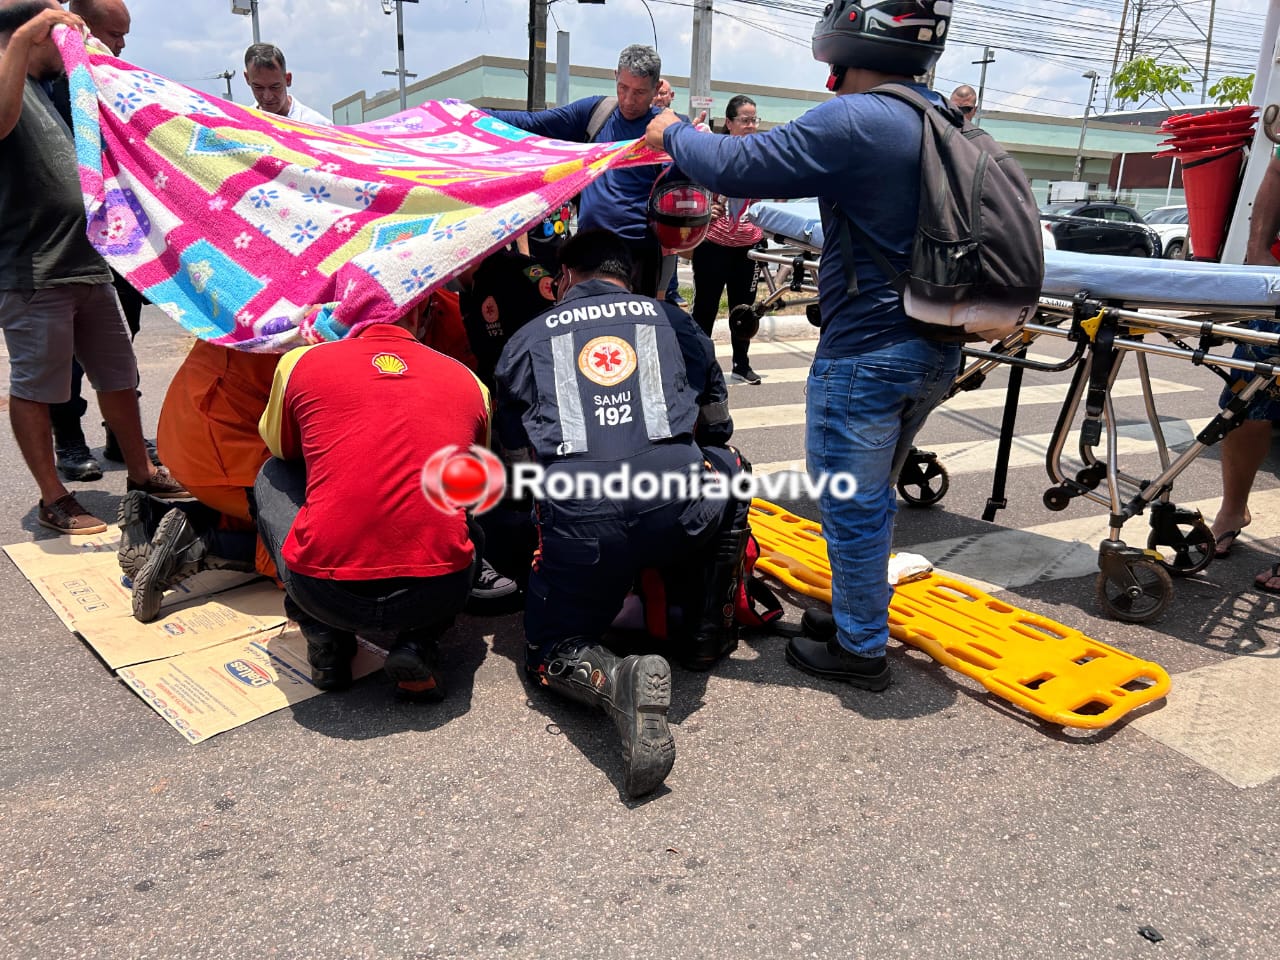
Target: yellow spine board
<point>1051,670</point>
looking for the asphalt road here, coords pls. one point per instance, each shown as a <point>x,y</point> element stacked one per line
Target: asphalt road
<point>802,818</point>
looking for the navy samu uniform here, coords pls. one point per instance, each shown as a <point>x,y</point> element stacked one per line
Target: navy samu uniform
<point>608,378</point>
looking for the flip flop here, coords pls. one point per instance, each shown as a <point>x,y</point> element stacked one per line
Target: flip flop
<point>1260,581</point>
<point>1223,544</point>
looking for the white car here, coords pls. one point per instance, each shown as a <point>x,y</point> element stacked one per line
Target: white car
<point>1171,224</point>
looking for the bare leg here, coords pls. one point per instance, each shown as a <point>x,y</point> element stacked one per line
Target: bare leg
<point>120,410</point>
<point>30,421</point>
<point>1243,451</point>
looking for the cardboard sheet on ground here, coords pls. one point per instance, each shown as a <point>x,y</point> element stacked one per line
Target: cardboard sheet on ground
<point>218,655</point>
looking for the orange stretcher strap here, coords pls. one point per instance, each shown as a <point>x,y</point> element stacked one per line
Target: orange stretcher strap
<point>1050,670</point>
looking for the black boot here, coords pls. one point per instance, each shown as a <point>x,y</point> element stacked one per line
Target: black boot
<point>73,458</point>
<point>139,517</point>
<point>177,553</point>
<point>819,624</point>
<point>635,692</point>
<point>829,660</point>
<point>329,650</point>
<point>411,663</point>
<point>111,449</point>
<point>717,632</point>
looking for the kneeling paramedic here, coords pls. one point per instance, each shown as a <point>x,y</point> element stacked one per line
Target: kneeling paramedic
<point>604,385</point>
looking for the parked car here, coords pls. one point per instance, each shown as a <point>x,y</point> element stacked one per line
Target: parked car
<point>1096,226</point>
<point>1171,224</point>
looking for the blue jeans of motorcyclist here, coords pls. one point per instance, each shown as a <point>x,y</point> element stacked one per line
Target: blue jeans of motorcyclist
<point>863,413</point>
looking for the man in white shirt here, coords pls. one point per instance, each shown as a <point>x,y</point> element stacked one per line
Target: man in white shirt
<point>264,71</point>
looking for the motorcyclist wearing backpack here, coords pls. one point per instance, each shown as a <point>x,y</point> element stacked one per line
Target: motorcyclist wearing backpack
<point>877,373</point>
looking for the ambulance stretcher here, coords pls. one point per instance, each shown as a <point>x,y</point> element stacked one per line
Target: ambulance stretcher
<point>1106,308</point>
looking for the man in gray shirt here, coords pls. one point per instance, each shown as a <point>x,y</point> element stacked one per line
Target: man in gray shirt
<point>56,298</point>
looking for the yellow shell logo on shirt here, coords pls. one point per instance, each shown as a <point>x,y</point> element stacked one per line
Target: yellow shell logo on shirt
<point>389,363</point>
<point>607,360</point>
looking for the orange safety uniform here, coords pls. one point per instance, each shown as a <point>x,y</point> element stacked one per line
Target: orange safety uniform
<point>208,434</point>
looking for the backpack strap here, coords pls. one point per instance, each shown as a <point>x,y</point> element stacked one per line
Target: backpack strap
<point>848,231</point>
<point>599,115</point>
<point>909,94</point>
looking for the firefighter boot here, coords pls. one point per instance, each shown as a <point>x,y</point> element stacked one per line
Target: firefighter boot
<point>177,553</point>
<point>635,692</point>
<point>717,630</point>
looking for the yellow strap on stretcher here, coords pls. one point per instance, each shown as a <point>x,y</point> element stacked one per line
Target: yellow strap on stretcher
<point>1053,671</point>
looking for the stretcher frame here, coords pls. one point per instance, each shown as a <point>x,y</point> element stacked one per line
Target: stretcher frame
<point>1134,584</point>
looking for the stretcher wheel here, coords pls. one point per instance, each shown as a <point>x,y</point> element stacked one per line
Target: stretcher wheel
<point>1139,602</point>
<point>1191,550</point>
<point>923,481</point>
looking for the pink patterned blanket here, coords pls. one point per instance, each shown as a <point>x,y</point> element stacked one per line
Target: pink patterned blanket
<point>260,233</point>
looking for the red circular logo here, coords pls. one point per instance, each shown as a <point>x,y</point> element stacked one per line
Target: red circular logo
<point>455,479</point>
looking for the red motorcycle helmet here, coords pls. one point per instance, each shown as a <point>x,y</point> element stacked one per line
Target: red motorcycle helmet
<point>679,212</point>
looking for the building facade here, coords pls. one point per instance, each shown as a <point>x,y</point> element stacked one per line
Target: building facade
<point>1117,157</point>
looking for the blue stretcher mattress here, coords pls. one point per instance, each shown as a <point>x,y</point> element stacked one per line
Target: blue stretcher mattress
<point>1129,279</point>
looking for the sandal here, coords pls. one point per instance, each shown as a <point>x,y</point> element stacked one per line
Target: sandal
<point>1261,580</point>
<point>66,515</point>
<point>1223,544</point>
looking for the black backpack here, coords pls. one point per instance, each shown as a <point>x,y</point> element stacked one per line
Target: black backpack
<point>977,263</point>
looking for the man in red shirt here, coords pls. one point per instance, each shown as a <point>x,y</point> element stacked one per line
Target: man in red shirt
<point>340,505</point>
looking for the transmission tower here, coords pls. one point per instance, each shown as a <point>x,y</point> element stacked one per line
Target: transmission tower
<point>1172,32</point>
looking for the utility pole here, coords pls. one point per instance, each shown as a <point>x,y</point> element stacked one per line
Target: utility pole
<point>1115,60</point>
<point>537,97</point>
<point>562,67</point>
<point>250,8</point>
<point>700,64</point>
<point>988,56</point>
<point>400,72</point>
<point>227,75</point>
<point>1208,49</point>
<point>1084,124</point>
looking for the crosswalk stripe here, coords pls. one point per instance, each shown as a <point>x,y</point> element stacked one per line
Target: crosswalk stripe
<point>773,348</point>
<point>972,399</point>
<point>977,456</point>
<point>1135,439</point>
<point>806,349</point>
<point>1062,549</point>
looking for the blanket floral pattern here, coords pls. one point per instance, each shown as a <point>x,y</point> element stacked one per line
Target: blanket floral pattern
<point>260,233</point>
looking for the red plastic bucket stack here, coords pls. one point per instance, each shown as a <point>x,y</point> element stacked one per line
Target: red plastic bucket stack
<point>1210,147</point>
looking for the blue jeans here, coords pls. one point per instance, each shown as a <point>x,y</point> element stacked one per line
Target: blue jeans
<point>862,415</point>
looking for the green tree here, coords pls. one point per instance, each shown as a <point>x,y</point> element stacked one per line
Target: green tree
<point>1232,90</point>
<point>1143,79</point>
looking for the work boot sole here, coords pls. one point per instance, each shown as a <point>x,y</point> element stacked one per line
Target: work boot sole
<point>150,581</point>
<point>413,676</point>
<point>639,709</point>
<point>135,541</point>
<point>874,682</point>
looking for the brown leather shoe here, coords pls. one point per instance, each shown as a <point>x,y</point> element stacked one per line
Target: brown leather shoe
<point>162,486</point>
<point>67,516</point>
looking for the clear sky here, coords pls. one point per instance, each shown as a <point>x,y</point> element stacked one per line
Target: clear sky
<point>336,47</point>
